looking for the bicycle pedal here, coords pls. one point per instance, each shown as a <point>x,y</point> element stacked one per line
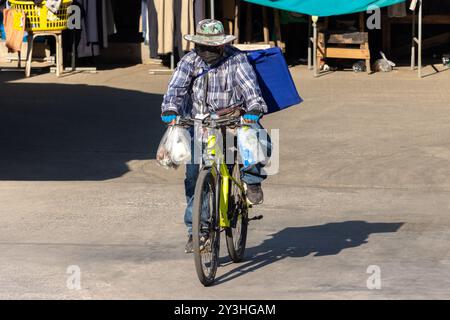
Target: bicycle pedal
<point>260,217</point>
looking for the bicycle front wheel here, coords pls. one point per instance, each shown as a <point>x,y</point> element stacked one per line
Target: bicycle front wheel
<point>205,227</point>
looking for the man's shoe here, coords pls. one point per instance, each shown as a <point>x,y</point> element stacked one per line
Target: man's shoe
<point>204,244</point>
<point>189,247</point>
<point>255,194</point>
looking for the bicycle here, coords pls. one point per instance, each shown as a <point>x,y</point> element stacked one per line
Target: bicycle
<point>219,197</point>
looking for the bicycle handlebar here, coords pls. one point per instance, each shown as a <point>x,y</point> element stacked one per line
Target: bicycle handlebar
<point>209,122</point>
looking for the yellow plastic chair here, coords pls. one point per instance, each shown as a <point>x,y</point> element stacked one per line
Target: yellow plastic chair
<point>40,22</point>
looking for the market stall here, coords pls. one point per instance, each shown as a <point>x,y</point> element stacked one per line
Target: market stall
<point>325,8</point>
<point>164,23</point>
<point>417,20</point>
<point>239,15</point>
<point>86,25</point>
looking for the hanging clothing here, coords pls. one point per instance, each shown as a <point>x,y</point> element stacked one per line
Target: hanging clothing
<point>184,23</point>
<point>199,11</point>
<point>108,25</point>
<point>97,24</point>
<point>177,36</point>
<point>164,10</point>
<point>152,30</point>
<point>88,37</point>
<point>168,19</point>
<point>88,45</point>
<point>187,23</point>
<point>144,21</point>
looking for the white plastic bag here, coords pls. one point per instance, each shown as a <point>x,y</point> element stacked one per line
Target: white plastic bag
<point>249,146</point>
<point>174,148</point>
<point>383,65</point>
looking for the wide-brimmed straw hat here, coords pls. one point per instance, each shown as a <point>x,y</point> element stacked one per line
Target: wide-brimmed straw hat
<point>210,33</point>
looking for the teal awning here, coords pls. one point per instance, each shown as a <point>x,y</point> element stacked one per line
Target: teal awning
<point>323,8</point>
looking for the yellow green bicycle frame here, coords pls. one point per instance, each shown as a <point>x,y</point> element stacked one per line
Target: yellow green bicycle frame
<point>215,153</point>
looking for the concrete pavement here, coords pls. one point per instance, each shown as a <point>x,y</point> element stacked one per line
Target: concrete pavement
<point>364,181</point>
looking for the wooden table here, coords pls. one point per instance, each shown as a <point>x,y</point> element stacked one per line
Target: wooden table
<point>344,44</point>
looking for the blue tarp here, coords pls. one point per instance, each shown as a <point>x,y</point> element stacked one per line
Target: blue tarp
<point>324,8</point>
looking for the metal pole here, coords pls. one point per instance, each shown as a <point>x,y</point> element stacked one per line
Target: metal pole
<point>265,26</point>
<point>74,51</point>
<point>413,41</point>
<point>237,12</point>
<point>212,9</point>
<point>314,19</point>
<point>420,40</point>
<point>172,61</point>
<point>309,46</point>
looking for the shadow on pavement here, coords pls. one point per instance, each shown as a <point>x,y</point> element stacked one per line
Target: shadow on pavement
<point>57,132</point>
<point>298,242</point>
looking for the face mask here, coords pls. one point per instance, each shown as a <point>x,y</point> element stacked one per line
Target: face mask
<point>211,55</point>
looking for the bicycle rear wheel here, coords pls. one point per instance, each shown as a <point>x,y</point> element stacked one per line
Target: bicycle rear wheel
<point>205,223</point>
<point>236,235</point>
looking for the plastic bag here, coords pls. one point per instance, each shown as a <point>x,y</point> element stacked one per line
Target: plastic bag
<point>383,65</point>
<point>446,60</point>
<point>359,66</point>
<point>174,148</point>
<point>249,146</point>
<point>14,24</point>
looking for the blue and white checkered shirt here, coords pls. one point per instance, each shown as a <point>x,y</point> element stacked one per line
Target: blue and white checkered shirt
<point>231,83</point>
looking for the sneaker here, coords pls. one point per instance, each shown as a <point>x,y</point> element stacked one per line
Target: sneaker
<point>254,194</point>
<point>189,247</point>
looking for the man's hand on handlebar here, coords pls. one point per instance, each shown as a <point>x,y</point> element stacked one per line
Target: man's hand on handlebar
<point>169,117</point>
<point>172,118</point>
<point>252,116</point>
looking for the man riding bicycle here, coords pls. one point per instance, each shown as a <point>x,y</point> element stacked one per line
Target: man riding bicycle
<point>214,78</point>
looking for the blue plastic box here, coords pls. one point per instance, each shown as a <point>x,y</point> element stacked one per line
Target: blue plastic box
<point>275,80</point>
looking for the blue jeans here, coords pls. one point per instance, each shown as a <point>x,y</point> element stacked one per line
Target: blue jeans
<point>249,175</point>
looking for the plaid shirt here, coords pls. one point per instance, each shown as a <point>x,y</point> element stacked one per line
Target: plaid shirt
<point>232,82</point>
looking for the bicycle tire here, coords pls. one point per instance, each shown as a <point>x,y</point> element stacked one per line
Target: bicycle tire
<point>236,235</point>
<point>206,270</point>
